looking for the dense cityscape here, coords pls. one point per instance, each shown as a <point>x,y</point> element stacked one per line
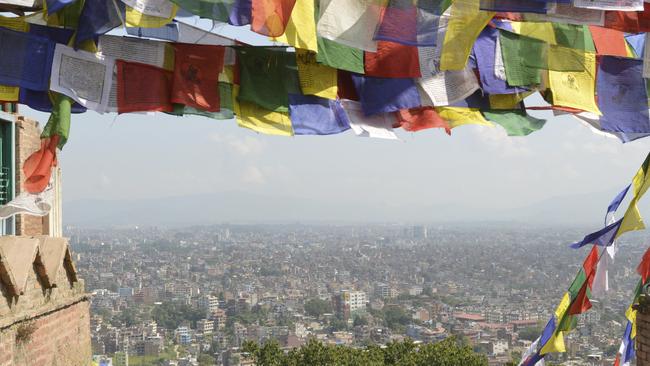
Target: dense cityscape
<point>195,295</point>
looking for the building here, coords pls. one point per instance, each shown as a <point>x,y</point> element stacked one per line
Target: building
<point>182,335</point>
<point>348,302</point>
<point>209,303</point>
<point>44,316</point>
<point>205,326</point>
<point>385,291</point>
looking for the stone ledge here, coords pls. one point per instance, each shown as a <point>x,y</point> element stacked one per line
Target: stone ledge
<point>71,301</point>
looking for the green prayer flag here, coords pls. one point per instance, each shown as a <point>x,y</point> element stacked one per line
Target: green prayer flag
<point>577,284</point>
<point>211,9</point>
<point>59,121</point>
<point>522,58</point>
<point>339,56</point>
<point>267,76</point>
<point>574,36</point>
<point>515,122</point>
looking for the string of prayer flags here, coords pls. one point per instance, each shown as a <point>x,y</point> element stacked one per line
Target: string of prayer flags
<point>574,302</point>
<point>415,64</point>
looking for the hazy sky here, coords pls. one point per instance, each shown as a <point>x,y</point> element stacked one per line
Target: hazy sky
<point>154,156</point>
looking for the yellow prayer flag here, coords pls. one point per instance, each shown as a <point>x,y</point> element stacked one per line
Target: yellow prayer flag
<point>554,344</point>
<point>632,220</point>
<point>14,23</point>
<point>562,307</point>
<point>135,18</point>
<point>507,101</point>
<point>542,31</point>
<point>316,79</point>
<point>251,116</point>
<point>465,24</point>
<point>630,314</point>
<point>227,74</point>
<point>575,89</point>
<point>9,93</point>
<point>458,116</point>
<point>301,29</point>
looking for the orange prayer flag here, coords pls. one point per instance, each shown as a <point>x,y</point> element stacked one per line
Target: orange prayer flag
<point>270,17</point>
<point>644,267</point>
<point>609,42</point>
<point>416,119</point>
<point>38,166</point>
<point>196,76</point>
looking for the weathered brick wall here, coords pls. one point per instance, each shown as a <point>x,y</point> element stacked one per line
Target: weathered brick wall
<point>643,332</point>
<point>45,326</point>
<point>58,338</point>
<point>28,140</point>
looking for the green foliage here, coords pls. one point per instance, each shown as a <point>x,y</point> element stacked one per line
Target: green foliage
<point>396,317</point>
<point>338,324</point>
<point>206,360</point>
<point>317,307</point>
<point>360,320</point>
<point>314,353</point>
<point>530,333</point>
<point>170,315</point>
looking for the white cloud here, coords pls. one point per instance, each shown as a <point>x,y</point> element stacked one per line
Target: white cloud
<point>253,175</point>
<point>246,145</point>
<point>496,139</point>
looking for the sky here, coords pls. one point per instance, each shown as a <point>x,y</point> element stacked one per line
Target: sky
<point>138,156</point>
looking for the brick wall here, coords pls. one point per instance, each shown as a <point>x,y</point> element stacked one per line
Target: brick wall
<point>45,326</point>
<point>28,140</point>
<point>643,332</point>
<point>52,339</point>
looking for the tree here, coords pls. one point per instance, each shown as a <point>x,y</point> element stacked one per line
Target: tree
<point>206,360</point>
<point>530,333</point>
<point>360,320</point>
<point>315,353</point>
<point>395,316</point>
<point>317,307</point>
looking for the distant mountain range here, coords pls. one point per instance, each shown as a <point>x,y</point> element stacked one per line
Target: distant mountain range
<point>242,207</point>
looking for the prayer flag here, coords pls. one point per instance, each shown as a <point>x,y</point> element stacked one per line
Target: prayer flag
<point>38,166</point>
<point>464,26</point>
<point>267,76</point>
<point>382,95</point>
<point>515,122</point>
<point>417,119</point>
<point>196,76</point>
<point>339,56</point>
<point>252,116</point>
<point>392,60</point>
<point>29,63</point>
<point>408,22</point>
<point>377,126</point>
<point>142,88</point>
<point>350,22</point>
<point>98,17</point>
<point>316,79</point>
<point>301,29</point>
<point>270,17</point>
<point>311,115</point>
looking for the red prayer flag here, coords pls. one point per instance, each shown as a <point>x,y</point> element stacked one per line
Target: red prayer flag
<point>644,267</point>
<point>609,42</point>
<point>629,21</point>
<point>270,17</point>
<point>142,88</point>
<point>416,119</point>
<point>581,303</point>
<point>346,89</point>
<point>38,166</point>
<point>591,262</point>
<point>196,76</point>
<point>392,60</point>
